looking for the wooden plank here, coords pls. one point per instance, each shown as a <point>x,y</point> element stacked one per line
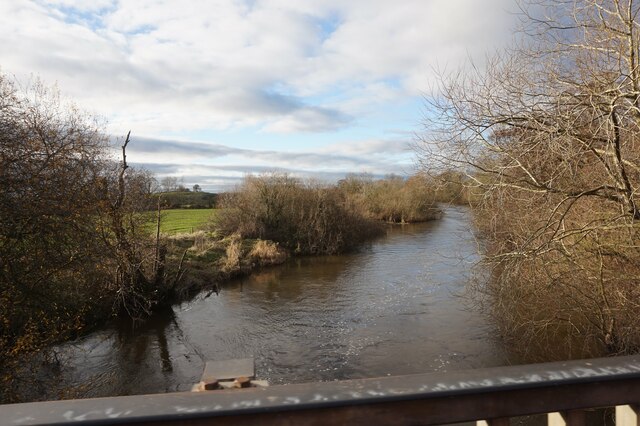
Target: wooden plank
<point>627,415</point>
<point>229,369</point>
<point>567,418</point>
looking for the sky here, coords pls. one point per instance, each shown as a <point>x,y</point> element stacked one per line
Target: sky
<point>215,89</point>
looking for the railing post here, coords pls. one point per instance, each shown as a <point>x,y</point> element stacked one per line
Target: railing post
<point>566,418</point>
<point>502,421</point>
<point>627,415</point>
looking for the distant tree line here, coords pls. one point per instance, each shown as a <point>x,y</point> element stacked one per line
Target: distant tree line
<point>186,199</point>
<point>311,217</point>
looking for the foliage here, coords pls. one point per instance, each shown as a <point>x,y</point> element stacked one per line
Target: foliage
<point>70,225</point>
<point>234,254</point>
<point>452,187</point>
<point>304,217</point>
<point>137,262</point>
<point>171,184</point>
<point>267,253</point>
<point>187,200</point>
<point>51,158</point>
<point>548,135</point>
<point>393,199</point>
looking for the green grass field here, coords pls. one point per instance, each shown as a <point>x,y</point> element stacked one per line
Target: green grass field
<point>177,221</point>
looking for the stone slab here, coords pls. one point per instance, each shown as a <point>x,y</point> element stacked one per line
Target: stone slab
<point>228,369</point>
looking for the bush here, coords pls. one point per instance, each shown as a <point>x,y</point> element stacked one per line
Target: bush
<point>51,164</point>
<point>577,294</point>
<point>548,132</point>
<point>67,230</point>
<point>306,218</point>
<point>187,200</point>
<point>266,253</point>
<point>233,255</point>
<point>394,199</point>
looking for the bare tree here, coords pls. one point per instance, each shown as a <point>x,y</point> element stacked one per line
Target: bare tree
<point>138,260</point>
<point>169,183</point>
<point>548,135</point>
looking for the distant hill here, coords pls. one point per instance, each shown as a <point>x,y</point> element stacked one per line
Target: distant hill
<point>187,200</point>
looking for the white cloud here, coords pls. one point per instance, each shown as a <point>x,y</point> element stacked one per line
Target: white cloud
<point>368,148</point>
<point>219,167</point>
<point>210,63</point>
<point>183,67</point>
<point>309,120</point>
<point>80,5</point>
<point>339,158</point>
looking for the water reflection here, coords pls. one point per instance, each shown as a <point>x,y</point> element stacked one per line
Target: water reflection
<point>137,341</point>
<point>391,308</point>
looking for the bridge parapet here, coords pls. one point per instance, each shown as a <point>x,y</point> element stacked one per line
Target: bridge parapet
<point>493,395</point>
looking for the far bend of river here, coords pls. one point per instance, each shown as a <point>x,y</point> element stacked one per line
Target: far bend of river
<point>392,308</point>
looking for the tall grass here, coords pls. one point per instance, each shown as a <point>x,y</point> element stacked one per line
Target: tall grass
<point>394,199</point>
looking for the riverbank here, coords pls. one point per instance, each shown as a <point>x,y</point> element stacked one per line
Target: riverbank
<point>204,260</point>
<point>311,220</point>
<point>392,307</point>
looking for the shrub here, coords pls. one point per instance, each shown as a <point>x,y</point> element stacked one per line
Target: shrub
<point>305,217</point>
<point>66,225</point>
<point>233,255</point>
<point>266,253</point>
<point>393,199</point>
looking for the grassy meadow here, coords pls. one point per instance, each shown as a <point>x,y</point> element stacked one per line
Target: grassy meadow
<point>180,221</point>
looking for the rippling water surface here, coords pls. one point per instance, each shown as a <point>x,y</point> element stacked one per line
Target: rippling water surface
<point>395,307</point>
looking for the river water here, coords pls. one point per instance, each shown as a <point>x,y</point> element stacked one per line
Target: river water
<point>395,307</point>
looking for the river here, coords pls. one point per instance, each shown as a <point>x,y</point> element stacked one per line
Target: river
<point>394,307</point>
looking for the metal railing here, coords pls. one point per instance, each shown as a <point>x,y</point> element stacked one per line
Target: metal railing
<point>561,389</point>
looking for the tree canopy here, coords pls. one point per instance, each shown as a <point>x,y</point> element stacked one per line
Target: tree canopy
<point>71,247</point>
